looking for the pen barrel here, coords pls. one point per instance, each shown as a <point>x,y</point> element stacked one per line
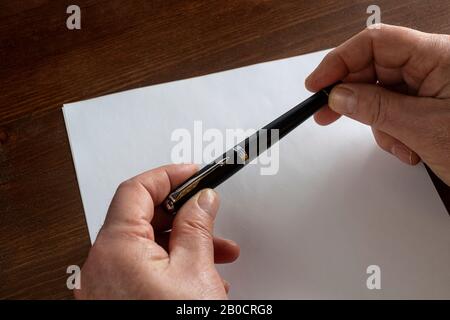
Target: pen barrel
<point>247,150</point>
<point>213,174</point>
<point>301,112</point>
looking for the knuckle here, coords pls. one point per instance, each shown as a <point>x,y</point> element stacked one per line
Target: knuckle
<point>440,123</point>
<point>198,227</point>
<point>433,130</point>
<point>128,184</point>
<point>439,43</point>
<point>379,109</point>
<point>135,186</point>
<point>134,230</point>
<point>375,31</point>
<point>382,143</point>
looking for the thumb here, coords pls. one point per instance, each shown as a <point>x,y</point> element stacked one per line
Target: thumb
<point>385,110</point>
<point>191,239</point>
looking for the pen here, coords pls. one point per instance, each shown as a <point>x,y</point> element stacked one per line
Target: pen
<point>216,172</point>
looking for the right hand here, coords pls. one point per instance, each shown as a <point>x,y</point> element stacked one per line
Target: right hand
<point>397,81</point>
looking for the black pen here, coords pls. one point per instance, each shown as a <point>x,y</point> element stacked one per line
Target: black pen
<point>244,152</point>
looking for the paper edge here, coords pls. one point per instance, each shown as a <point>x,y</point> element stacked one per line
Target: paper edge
<point>83,201</point>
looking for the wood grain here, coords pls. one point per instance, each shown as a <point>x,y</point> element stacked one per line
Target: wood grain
<point>123,45</point>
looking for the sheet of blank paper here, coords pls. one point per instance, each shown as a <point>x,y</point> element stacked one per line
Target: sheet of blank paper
<point>337,205</point>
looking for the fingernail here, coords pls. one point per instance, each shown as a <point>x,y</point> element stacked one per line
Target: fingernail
<point>207,201</point>
<point>342,100</point>
<point>403,153</point>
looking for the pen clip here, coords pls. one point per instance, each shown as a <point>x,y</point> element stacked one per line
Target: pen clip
<point>193,182</point>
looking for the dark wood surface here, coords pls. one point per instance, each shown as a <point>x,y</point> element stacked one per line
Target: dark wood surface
<point>124,45</point>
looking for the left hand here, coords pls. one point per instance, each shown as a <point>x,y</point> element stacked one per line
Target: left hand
<point>131,260</point>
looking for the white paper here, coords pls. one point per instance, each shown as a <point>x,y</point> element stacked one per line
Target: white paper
<point>337,205</point>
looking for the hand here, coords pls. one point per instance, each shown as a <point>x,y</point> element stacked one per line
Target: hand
<point>131,260</point>
<point>396,80</point>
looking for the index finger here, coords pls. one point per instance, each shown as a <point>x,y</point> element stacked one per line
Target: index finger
<point>389,47</point>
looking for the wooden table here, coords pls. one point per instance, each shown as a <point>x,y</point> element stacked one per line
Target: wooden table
<point>124,45</point>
